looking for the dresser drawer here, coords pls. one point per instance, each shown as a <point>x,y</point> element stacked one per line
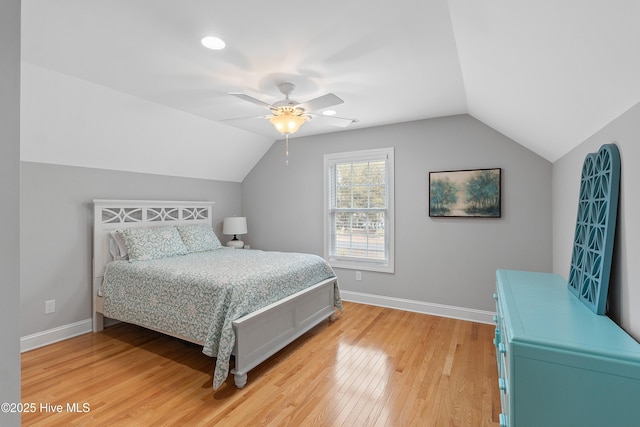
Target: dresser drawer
<point>501,344</point>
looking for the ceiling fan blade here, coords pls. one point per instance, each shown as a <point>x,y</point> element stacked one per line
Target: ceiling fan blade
<point>339,121</point>
<point>232,119</point>
<point>335,121</point>
<point>250,99</point>
<point>320,102</point>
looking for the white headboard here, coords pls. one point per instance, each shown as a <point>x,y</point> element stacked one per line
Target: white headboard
<point>109,215</point>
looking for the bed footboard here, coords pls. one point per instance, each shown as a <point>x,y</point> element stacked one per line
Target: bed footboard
<point>263,333</point>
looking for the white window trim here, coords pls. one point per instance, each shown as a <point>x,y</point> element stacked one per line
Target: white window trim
<point>329,159</point>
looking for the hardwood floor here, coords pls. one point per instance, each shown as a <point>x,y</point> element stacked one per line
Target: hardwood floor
<point>371,367</point>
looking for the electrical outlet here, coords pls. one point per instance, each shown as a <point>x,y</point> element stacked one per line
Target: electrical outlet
<point>49,306</point>
<point>358,275</point>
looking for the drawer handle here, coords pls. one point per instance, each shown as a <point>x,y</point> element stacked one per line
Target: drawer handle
<point>502,384</point>
<point>501,348</point>
<point>503,420</point>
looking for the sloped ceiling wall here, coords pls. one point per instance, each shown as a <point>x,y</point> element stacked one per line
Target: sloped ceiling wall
<point>125,85</point>
<point>68,121</point>
<point>548,74</point>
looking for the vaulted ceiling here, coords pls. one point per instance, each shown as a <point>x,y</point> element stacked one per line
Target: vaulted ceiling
<point>547,74</point>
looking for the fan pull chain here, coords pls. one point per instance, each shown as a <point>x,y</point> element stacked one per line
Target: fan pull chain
<point>286,150</point>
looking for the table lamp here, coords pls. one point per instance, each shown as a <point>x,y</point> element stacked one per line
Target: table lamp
<point>235,225</point>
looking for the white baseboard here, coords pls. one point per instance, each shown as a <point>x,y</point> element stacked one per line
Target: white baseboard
<point>60,333</point>
<point>441,310</point>
<point>40,339</point>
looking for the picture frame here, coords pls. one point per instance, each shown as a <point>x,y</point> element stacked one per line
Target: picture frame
<point>470,193</point>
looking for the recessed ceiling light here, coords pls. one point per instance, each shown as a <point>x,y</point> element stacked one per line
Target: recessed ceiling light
<point>328,112</point>
<point>214,43</point>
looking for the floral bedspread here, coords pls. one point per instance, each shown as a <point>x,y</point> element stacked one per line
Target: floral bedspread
<point>199,295</point>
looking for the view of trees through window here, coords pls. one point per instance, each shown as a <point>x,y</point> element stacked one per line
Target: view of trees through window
<point>360,207</point>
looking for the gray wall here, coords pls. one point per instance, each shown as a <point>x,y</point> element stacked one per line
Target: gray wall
<point>443,261</point>
<point>9,206</point>
<point>56,230</point>
<point>624,288</point>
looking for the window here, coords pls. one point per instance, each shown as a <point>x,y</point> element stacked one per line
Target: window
<point>359,210</point>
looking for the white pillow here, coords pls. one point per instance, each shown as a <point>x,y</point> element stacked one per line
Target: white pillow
<point>117,246</point>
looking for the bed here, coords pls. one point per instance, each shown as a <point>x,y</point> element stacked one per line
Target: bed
<point>245,303</point>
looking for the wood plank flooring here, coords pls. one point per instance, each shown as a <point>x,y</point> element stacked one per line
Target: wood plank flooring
<point>372,366</point>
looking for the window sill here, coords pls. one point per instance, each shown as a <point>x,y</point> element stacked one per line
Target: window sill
<point>364,266</point>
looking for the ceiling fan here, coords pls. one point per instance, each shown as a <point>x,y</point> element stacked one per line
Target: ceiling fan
<point>287,115</point>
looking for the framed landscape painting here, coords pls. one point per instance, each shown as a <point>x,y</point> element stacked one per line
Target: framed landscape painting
<point>465,193</point>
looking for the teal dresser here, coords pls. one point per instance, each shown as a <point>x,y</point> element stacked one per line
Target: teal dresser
<point>560,364</point>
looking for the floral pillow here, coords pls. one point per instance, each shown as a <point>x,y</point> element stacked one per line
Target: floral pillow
<point>199,238</point>
<point>145,243</point>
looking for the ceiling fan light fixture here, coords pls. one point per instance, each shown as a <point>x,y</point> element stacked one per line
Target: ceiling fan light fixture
<point>288,120</point>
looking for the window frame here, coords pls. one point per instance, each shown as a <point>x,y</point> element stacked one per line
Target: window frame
<point>387,266</point>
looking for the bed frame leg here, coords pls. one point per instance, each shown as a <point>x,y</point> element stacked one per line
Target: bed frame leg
<point>98,322</point>
<point>240,379</point>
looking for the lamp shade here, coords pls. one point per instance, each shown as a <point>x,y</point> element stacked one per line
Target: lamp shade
<point>287,124</point>
<point>234,225</point>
